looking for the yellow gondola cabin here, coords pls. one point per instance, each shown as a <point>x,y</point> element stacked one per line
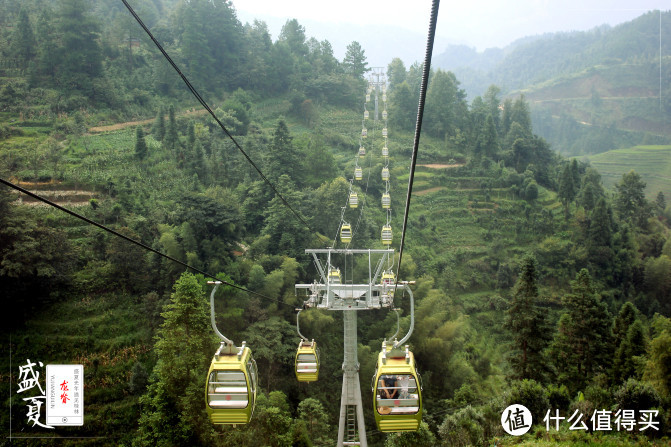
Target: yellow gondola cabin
<point>397,397</point>
<point>386,235</point>
<point>230,392</point>
<point>386,201</point>
<point>353,200</point>
<point>334,275</point>
<point>346,233</point>
<point>388,278</point>
<point>385,174</point>
<point>306,364</point>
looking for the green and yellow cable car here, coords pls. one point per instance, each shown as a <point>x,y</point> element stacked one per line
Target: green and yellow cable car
<point>353,200</point>
<point>362,151</point>
<point>230,392</point>
<point>306,364</point>
<point>386,200</point>
<point>334,275</point>
<point>346,233</point>
<point>386,235</point>
<point>397,393</point>
<point>385,174</point>
<point>358,174</point>
<point>388,278</point>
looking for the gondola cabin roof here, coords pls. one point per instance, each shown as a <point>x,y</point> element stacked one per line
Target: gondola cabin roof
<point>396,360</point>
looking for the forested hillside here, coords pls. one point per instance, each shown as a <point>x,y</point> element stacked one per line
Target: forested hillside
<point>533,284</point>
<point>590,91</point>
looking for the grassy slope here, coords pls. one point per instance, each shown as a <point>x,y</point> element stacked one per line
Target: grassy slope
<point>653,163</point>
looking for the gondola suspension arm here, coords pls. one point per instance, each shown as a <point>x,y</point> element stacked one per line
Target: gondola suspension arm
<point>412,315</point>
<point>298,327</point>
<point>212,319</point>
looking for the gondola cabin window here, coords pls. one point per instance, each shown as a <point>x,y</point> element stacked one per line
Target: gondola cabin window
<point>228,389</point>
<point>397,394</point>
<point>307,363</point>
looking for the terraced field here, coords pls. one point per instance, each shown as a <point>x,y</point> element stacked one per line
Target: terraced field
<point>653,163</point>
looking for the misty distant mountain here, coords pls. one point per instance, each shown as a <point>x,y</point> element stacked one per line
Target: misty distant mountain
<point>536,59</point>
<point>381,43</point>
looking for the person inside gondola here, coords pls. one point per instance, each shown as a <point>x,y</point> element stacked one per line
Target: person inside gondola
<point>404,385</point>
<point>389,389</point>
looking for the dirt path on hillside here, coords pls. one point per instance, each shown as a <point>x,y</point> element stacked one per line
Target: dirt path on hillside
<point>442,166</point>
<point>50,191</point>
<point>428,191</point>
<point>119,126</point>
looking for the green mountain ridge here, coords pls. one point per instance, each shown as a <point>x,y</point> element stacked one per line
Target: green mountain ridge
<point>589,91</point>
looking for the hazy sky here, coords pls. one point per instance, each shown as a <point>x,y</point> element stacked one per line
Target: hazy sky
<point>479,23</point>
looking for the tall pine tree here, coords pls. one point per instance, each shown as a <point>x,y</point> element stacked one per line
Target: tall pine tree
<point>583,344</point>
<point>79,55</point>
<point>354,62</point>
<point>140,144</point>
<point>567,191</point>
<point>283,156</point>
<point>173,411</point>
<point>23,40</point>
<point>158,129</point>
<point>171,139</point>
<point>527,325</point>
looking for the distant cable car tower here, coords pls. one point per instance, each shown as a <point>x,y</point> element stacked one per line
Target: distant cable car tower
<point>377,81</point>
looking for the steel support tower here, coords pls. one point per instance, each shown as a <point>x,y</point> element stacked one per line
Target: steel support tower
<point>351,425</point>
<point>349,298</point>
